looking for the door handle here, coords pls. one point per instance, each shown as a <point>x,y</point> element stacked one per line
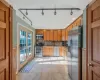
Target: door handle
<point>90,65</point>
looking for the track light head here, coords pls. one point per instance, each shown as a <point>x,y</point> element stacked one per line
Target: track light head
<point>42,12</point>
<point>71,13</point>
<point>26,12</point>
<point>23,17</point>
<point>55,12</point>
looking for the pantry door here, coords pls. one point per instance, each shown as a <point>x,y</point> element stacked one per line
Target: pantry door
<point>94,41</point>
<point>4,41</point>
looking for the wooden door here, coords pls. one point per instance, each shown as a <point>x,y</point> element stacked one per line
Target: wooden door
<point>94,41</point>
<point>4,41</point>
<point>51,35</point>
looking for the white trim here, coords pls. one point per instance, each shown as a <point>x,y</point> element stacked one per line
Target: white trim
<point>18,56</point>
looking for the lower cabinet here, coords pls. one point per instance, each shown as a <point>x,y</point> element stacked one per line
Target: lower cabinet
<point>54,51</point>
<point>48,51</point>
<point>62,51</point>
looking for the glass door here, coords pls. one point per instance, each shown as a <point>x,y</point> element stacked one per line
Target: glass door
<point>25,43</point>
<point>29,44</point>
<point>23,48</point>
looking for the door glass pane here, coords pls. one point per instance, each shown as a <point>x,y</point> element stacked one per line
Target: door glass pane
<point>29,42</point>
<point>22,46</point>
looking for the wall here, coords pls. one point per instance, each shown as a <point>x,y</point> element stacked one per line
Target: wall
<point>17,22</point>
<point>84,28</point>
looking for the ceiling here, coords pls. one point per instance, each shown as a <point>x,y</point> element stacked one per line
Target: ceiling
<point>49,20</point>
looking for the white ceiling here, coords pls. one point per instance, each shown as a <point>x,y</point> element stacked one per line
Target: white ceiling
<point>49,20</point>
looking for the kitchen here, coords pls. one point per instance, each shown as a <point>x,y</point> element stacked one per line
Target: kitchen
<point>54,42</point>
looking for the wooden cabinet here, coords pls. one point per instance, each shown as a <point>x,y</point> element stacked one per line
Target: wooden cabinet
<point>62,51</point>
<point>66,34</point>
<point>51,51</point>
<point>51,35</point>
<point>63,35</point>
<point>59,35</point>
<point>48,50</point>
<point>39,31</point>
<point>45,51</point>
<point>55,35</point>
<point>48,35</point>
<point>45,35</point>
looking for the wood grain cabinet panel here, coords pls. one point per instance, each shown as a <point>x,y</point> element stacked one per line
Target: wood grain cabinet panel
<point>55,35</point>
<point>51,51</point>
<point>40,31</point>
<point>48,51</point>
<point>45,35</point>
<point>66,34</point>
<point>51,35</point>
<point>59,35</point>
<point>63,35</point>
<point>48,35</point>
<point>45,51</point>
<point>60,51</point>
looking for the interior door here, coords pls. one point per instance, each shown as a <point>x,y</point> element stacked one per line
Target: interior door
<point>4,42</point>
<point>94,41</point>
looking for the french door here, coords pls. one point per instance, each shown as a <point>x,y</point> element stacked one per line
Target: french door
<point>25,45</point>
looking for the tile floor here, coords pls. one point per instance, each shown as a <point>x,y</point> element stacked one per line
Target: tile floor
<point>47,68</point>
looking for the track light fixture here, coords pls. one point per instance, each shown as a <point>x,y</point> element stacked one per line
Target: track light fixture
<point>55,12</point>
<point>23,17</point>
<point>71,13</point>
<point>26,12</point>
<point>42,12</point>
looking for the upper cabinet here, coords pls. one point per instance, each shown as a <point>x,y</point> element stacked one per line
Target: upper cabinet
<point>59,35</point>
<point>55,35</point>
<point>63,35</point>
<point>39,32</point>
<point>45,35</point>
<point>51,34</point>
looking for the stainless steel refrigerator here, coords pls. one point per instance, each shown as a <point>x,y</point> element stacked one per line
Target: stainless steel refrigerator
<point>75,53</point>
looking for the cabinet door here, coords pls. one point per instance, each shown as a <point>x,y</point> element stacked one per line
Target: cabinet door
<point>63,35</point>
<point>48,35</point>
<point>45,35</point>
<point>59,35</point>
<point>55,35</point>
<point>45,51</point>
<point>60,51</point>
<point>51,35</point>
<point>51,51</point>
<point>66,34</point>
<point>39,31</point>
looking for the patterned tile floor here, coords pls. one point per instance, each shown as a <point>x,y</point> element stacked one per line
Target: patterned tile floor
<point>47,68</point>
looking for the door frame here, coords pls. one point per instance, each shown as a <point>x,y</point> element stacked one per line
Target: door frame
<point>22,27</point>
<point>12,72</point>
